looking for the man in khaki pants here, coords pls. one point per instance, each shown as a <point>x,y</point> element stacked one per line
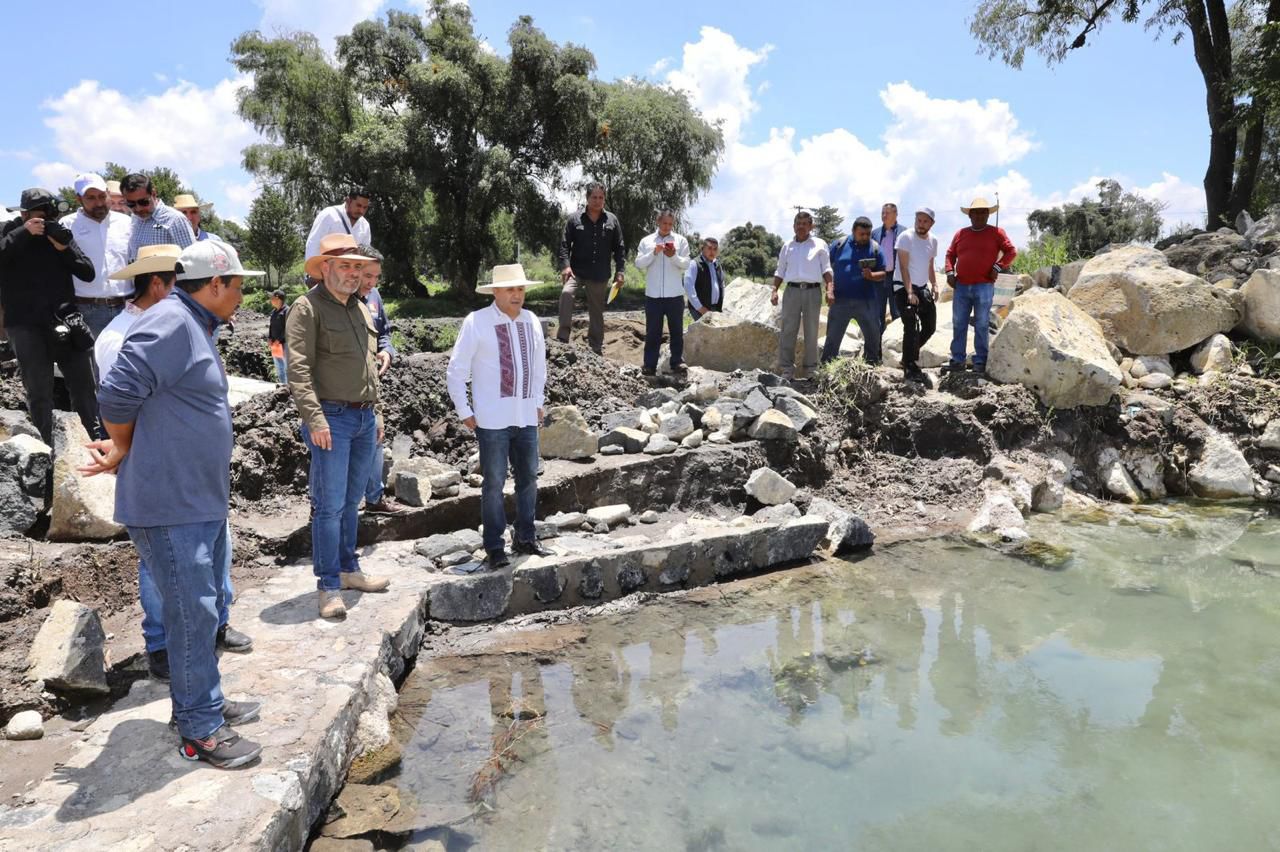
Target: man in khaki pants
<point>592,238</point>
<point>804,265</point>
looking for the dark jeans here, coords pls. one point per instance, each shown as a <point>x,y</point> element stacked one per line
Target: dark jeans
<point>884,295</point>
<point>655,312</point>
<point>971,303</point>
<point>98,317</point>
<point>519,444</point>
<point>868,314</point>
<point>918,324</point>
<point>37,351</point>
<point>338,480</point>
<point>186,562</point>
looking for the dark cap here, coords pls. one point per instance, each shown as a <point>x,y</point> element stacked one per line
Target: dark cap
<point>37,198</point>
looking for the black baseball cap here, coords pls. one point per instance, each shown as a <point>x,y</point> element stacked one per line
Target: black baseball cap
<point>37,198</point>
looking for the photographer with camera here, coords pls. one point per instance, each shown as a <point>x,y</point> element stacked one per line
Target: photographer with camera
<point>853,292</point>
<point>38,259</point>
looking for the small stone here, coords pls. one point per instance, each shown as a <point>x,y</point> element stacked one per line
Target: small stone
<point>692,441</point>
<point>613,450</point>
<point>802,416</point>
<point>768,487</point>
<point>649,517</point>
<point>67,653</point>
<point>1273,473</point>
<point>629,439</point>
<point>412,489</point>
<point>609,515</point>
<point>1155,381</point>
<point>773,425</point>
<point>777,514</point>
<point>660,444</point>
<point>567,520</point>
<point>475,480</point>
<point>26,725</point>
<point>441,482</point>
<point>566,435</point>
<point>718,438</point>
<point>677,427</point>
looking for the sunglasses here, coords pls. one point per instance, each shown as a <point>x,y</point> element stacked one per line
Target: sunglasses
<point>141,202</point>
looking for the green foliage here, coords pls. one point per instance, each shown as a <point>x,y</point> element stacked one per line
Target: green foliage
<point>1046,250</point>
<point>750,250</point>
<point>826,223</point>
<point>273,238</point>
<point>652,151</point>
<point>1088,225</point>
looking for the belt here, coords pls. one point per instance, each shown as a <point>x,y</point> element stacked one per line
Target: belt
<point>113,302</point>
<point>804,285</point>
<point>360,405</point>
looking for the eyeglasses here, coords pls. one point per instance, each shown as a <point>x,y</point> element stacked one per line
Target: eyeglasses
<point>141,202</point>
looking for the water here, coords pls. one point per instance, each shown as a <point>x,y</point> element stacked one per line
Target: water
<point>932,696</point>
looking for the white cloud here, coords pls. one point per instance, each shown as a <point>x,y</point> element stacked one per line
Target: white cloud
<point>934,152</point>
<point>53,176</point>
<point>239,197</point>
<point>326,21</point>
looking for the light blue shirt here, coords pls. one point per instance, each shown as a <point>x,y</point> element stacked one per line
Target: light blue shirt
<point>165,226</point>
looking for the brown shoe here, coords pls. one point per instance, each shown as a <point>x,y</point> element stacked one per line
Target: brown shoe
<point>331,605</point>
<point>385,506</point>
<point>362,582</point>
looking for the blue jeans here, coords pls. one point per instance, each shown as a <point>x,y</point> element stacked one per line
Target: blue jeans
<point>282,370</point>
<point>971,300</point>
<point>884,297</point>
<point>338,479</point>
<point>186,561</point>
<point>373,490</point>
<point>868,313</point>
<point>153,606</point>
<point>97,317</point>
<point>655,312</point>
<point>520,445</point>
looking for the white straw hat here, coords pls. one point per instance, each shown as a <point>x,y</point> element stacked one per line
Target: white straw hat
<point>508,275</point>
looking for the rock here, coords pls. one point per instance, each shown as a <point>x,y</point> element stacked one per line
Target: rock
<point>17,514</point>
<point>412,488</point>
<point>773,425</point>
<point>1069,274</point>
<point>777,514</point>
<point>475,480</point>
<point>33,459</point>
<point>26,725</point>
<point>1214,354</point>
<point>1270,439</point>
<point>724,342</point>
<point>718,438</point>
<point>677,427</point>
<point>613,450</point>
<point>565,521</point>
<point>795,540</point>
<point>637,419</point>
<point>67,653</point>
<point>659,445</point>
<point>474,597</point>
<point>360,809</point>
<point>769,487</point>
<point>546,582</point>
<point>440,545</point>
<point>1147,469</point>
<point>996,514</point>
<point>845,530</point>
<point>1115,478</point>
<point>373,728</point>
<point>694,412</point>
<point>649,517</point>
<point>1221,471</point>
<point>1147,307</point>
<point>801,415</point>
<point>1052,347</point>
<point>656,398</point>
<point>565,435</point>
<point>629,439</point>
<point>1146,365</point>
<point>83,506</point>
<point>1155,381</point>
<point>1048,495</point>
<point>442,482</point>
<point>692,441</point>
<point>13,422</point>
<point>1262,305</point>
<point>609,515</point>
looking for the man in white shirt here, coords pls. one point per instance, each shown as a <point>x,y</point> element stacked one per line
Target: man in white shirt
<point>103,235</point>
<point>345,218</point>
<point>663,256</point>
<point>804,265</point>
<point>915,289</point>
<point>501,352</point>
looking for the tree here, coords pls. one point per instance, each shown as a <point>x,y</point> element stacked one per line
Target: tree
<point>750,250</point>
<point>826,223</point>
<point>652,150</point>
<point>273,238</point>
<point>1089,225</point>
<point>164,181</point>
<point>1235,99</point>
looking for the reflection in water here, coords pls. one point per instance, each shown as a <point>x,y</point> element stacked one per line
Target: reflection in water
<point>931,696</point>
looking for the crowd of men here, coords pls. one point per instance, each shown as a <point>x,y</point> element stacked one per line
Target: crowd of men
<point>126,296</point>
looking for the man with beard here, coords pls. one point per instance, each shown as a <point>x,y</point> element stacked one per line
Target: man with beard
<point>103,235</point>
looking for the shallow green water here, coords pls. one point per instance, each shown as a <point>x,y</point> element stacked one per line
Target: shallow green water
<point>932,696</point>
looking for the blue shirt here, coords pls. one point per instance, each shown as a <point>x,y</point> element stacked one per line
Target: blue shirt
<point>381,324</point>
<point>165,226</point>
<point>847,272</point>
<point>168,381</point>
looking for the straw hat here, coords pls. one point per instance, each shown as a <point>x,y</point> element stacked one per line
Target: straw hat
<point>510,275</point>
<point>333,247</point>
<point>160,258</point>
<point>113,187</point>
<point>187,201</point>
<point>980,203</point>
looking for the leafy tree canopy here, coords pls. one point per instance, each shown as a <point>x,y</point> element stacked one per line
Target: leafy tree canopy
<point>750,250</point>
<point>1088,225</point>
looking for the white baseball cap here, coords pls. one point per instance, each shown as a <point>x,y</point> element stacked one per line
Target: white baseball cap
<point>210,259</point>
<point>88,181</point>
<point>928,211</point>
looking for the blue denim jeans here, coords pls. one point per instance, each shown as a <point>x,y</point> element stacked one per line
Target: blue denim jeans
<point>884,296</point>
<point>186,561</point>
<point>656,311</point>
<point>868,313</point>
<point>373,490</point>
<point>97,317</point>
<point>282,370</point>
<point>153,606</point>
<point>971,301</point>
<point>519,444</point>
<point>338,480</point>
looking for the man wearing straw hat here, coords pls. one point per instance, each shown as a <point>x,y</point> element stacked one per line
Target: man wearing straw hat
<point>115,198</point>
<point>975,258</point>
<point>501,352</point>
<point>333,377</point>
<point>187,205</point>
<point>153,275</point>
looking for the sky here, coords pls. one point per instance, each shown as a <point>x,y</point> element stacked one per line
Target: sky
<point>844,103</point>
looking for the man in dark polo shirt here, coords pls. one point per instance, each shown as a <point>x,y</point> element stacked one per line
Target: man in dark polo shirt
<point>333,377</point>
<point>592,239</point>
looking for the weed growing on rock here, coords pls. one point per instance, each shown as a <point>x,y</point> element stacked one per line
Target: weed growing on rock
<point>849,386</point>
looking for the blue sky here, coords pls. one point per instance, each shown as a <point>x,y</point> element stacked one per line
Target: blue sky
<point>842,103</point>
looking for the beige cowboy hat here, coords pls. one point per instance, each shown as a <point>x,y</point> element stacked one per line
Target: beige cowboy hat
<point>187,201</point>
<point>509,275</point>
<point>113,187</point>
<point>980,203</point>
<point>333,247</point>
<point>161,258</point>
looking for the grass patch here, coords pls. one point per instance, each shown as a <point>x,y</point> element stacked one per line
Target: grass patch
<point>848,386</point>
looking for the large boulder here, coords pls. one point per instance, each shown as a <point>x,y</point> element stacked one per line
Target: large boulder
<point>83,506</point>
<point>67,653</point>
<point>1054,348</point>
<point>745,299</point>
<point>1221,471</point>
<point>1147,307</point>
<point>1262,305</point>
<point>566,435</point>
<point>723,342</point>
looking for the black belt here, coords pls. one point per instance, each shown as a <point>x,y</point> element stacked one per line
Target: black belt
<point>360,405</point>
<point>804,285</point>
<point>113,302</point>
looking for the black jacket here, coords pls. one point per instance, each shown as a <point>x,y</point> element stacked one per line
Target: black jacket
<point>275,330</point>
<point>587,247</point>
<point>702,284</point>
<point>35,278</point>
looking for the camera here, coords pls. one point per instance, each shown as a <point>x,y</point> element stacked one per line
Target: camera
<point>57,231</point>
<point>70,328</point>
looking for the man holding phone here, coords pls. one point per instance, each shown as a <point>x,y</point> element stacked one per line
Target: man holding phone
<point>853,292</point>
<point>915,290</point>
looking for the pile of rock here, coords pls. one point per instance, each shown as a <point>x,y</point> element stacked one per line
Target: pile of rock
<point>780,501</point>
<point>416,480</point>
